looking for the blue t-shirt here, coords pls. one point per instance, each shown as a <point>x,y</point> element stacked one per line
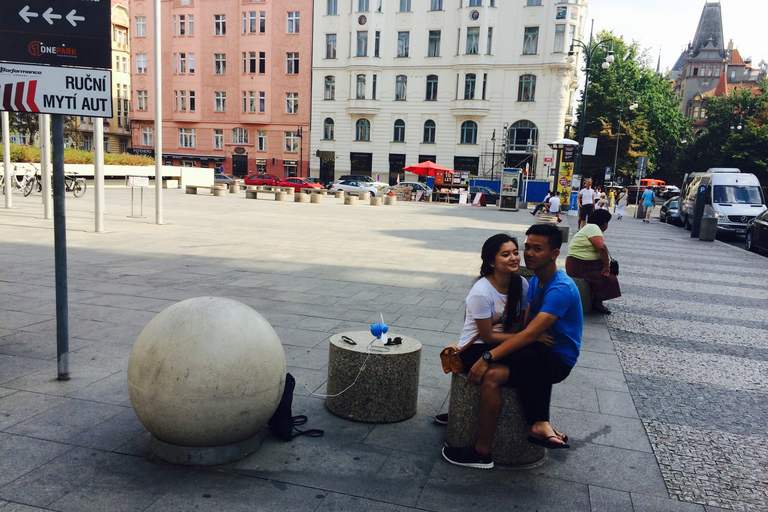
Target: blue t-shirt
<point>648,197</point>
<point>561,298</point>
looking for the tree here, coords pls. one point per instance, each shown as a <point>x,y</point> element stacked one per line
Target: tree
<point>655,128</point>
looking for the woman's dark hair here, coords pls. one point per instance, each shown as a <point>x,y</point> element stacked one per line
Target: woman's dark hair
<point>599,217</point>
<point>488,254</point>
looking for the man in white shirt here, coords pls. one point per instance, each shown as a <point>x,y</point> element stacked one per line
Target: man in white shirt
<point>586,202</point>
<point>554,206</point>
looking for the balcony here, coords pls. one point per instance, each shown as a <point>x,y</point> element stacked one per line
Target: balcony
<point>363,107</point>
<point>470,108</point>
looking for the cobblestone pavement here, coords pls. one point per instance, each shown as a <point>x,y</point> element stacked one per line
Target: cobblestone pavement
<point>690,332</point>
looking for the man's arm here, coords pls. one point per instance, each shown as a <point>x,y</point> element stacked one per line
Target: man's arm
<point>533,330</point>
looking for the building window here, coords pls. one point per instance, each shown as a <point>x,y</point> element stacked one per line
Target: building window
<point>191,63</point>
<point>330,88</point>
<point>262,62</point>
<point>330,46</point>
<point>405,5</point>
<point>485,83</point>
<point>469,132</point>
<point>120,35</point>
<point>473,40</point>
<point>475,3</point>
<point>399,133</point>
<point>249,62</point>
<point>373,88</point>
<point>146,136</point>
<point>489,47</point>
<point>360,89</point>
<point>249,22</point>
<point>469,86</point>
<point>376,44</point>
<point>328,129</point>
<point>333,7</point>
<point>249,101</point>
<point>433,49</point>
<point>530,40</point>
<point>436,5</point>
<point>186,137</point>
<point>262,141</point>
<point>239,136</point>
<point>219,63</point>
<point>191,101</point>
<point>182,63</point>
<point>291,103</point>
<point>141,63</point>
<point>292,63</point>
<point>527,89</point>
<point>220,101</point>
<point>219,24</point>
<point>403,41</point>
<point>429,131</point>
<point>522,137</point>
<point>141,100</point>
<point>262,101</point>
<point>141,26</point>
<point>218,139</point>
<point>363,130</point>
<point>182,25</point>
<point>293,22</point>
<point>536,2</point>
<point>183,101</point>
<point>291,142</point>
<point>362,5</point>
<point>362,44</point>
<point>559,46</point>
<point>401,83</point>
<point>431,88</point>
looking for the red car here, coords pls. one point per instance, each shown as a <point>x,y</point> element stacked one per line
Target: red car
<point>262,179</point>
<point>298,184</point>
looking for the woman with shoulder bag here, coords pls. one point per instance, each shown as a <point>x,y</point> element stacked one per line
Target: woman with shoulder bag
<point>622,201</point>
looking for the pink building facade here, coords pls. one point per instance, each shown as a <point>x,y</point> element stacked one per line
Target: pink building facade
<point>235,85</point>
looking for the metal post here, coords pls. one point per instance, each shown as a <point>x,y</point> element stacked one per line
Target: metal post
<point>493,152</point>
<point>7,158</point>
<point>98,174</point>
<point>158,118</point>
<point>45,164</point>
<point>618,136</point>
<point>60,249</point>
<point>301,152</point>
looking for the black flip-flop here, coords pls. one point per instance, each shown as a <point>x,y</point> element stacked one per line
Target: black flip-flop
<point>564,438</point>
<point>546,443</point>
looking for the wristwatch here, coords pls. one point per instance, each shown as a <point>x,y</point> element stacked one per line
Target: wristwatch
<point>487,357</point>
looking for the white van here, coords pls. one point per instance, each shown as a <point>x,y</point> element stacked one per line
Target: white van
<point>735,196</point>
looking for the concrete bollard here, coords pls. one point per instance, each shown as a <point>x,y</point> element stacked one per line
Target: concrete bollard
<point>339,194</point>
<point>219,190</point>
<point>376,201</point>
<point>280,196</point>
<point>351,200</point>
<point>300,198</point>
<point>364,196</point>
<point>316,198</point>
<point>234,188</point>
<point>390,200</point>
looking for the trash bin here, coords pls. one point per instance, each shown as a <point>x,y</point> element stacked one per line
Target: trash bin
<point>708,226</point>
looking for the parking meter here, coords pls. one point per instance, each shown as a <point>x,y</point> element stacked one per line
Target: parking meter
<point>698,210</point>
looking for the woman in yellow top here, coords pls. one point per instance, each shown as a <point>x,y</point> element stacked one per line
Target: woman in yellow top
<point>588,259</point>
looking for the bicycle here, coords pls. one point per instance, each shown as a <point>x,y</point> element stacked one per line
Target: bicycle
<point>74,184</point>
<point>24,182</point>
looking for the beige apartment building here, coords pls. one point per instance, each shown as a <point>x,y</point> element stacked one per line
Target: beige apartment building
<point>235,84</point>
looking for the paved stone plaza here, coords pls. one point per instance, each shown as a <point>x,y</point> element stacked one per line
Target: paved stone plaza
<point>666,408</point>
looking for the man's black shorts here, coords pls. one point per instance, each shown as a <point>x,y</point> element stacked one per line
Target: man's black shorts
<point>585,210</point>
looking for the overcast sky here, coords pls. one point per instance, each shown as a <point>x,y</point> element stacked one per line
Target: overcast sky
<point>671,25</point>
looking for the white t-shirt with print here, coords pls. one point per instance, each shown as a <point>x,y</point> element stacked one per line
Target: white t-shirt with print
<point>484,301</point>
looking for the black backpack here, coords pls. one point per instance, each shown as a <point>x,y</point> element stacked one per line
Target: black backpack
<point>282,424</point>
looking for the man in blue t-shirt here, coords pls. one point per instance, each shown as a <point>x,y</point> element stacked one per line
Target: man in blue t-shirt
<point>521,361</point>
<point>649,201</point>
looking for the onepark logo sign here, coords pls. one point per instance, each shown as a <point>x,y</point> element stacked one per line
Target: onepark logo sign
<point>38,49</point>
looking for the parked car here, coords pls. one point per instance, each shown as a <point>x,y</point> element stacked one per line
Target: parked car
<point>416,186</point>
<point>262,179</point>
<point>225,179</point>
<point>670,212</point>
<point>298,184</point>
<point>313,180</point>
<point>362,179</point>
<point>355,187</point>
<point>668,191</point>
<point>756,237</point>
<point>491,196</point>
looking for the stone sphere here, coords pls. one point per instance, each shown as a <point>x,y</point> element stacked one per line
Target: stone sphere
<point>207,371</point>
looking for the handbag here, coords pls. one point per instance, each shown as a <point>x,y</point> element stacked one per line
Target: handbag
<point>282,424</point>
<point>450,358</point>
<point>614,265</point>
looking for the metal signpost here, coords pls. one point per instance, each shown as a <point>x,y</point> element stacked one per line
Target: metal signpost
<point>55,58</point>
<point>137,181</point>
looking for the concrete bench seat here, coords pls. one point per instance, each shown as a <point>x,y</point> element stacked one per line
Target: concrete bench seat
<point>510,442</point>
<point>217,190</point>
<point>551,218</point>
<point>278,193</point>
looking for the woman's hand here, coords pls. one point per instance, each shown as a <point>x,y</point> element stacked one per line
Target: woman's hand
<point>546,339</point>
<point>605,271</point>
<point>477,372</point>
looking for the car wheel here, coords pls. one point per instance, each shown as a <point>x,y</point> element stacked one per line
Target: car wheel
<point>749,243</point>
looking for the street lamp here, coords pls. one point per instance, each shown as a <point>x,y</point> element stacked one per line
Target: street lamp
<point>589,52</point>
<point>493,152</point>
<point>301,150</point>
<point>633,106</point>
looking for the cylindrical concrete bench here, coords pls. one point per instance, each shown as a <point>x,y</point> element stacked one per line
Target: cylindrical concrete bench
<point>301,198</point>
<point>280,196</point>
<point>390,200</point>
<point>219,190</point>
<point>348,199</point>
<point>234,188</point>
<point>339,194</point>
<point>364,196</point>
<point>510,442</point>
<point>387,388</point>
<point>376,201</point>
<point>316,198</point>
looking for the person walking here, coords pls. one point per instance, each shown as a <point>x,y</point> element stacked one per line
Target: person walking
<point>622,203</point>
<point>649,202</point>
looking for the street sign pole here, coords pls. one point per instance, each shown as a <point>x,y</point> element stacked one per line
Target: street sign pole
<point>60,248</point>
<point>6,160</point>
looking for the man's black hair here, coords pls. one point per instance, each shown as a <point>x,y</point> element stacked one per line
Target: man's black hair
<point>554,236</point>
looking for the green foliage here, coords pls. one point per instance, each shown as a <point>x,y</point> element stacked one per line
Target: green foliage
<point>22,154</point>
<point>655,128</point>
<point>723,144</point>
